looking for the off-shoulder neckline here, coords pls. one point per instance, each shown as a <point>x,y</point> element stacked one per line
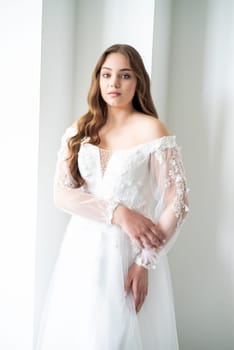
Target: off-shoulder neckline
<point>168,141</point>
<point>156,141</point>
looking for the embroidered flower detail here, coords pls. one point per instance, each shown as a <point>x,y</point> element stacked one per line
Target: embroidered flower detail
<point>176,177</point>
<point>162,144</point>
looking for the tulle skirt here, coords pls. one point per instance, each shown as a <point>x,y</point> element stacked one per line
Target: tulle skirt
<point>86,307</point>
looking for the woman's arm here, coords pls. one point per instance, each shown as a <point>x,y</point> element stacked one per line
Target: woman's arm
<point>73,200</point>
<point>138,227</point>
<point>168,183</point>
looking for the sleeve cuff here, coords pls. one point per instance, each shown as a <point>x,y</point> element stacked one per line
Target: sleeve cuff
<point>148,258</point>
<point>110,211</point>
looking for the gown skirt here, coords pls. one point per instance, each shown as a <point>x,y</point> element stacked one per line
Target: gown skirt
<point>86,307</point>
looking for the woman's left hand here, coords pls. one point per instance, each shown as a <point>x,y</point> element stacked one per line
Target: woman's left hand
<point>137,281</point>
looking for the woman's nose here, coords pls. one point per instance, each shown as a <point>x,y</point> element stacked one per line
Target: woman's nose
<point>114,82</point>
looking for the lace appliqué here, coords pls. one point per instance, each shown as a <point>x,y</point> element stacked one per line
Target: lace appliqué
<point>176,177</point>
<point>164,144</point>
<point>64,179</point>
<point>148,259</point>
<point>176,174</point>
<point>169,157</point>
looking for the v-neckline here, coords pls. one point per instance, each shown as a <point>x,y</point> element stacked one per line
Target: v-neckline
<point>104,159</point>
<point>99,151</point>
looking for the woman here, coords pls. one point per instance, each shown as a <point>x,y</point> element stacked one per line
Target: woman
<point>120,175</point>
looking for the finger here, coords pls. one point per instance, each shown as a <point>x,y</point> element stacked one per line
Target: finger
<point>158,233</point>
<point>138,296</point>
<point>140,303</point>
<point>127,284</point>
<point>138,307</point>
<point>157,243</point>
<point>154,241</point>
<point>137,302</point>
<point>147,243</point>
<point>150,240</point>
<point>139,242</point>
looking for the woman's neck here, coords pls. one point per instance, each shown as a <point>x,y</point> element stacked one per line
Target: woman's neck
<point>118,116</point>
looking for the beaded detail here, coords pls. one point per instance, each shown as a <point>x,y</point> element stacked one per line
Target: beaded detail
<point>105,155</point>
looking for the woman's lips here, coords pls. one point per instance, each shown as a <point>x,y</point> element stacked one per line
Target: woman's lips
<point>114,94</point>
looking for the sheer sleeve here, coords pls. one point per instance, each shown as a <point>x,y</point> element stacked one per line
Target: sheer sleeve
<point>73,200</point>
<point>168,184</point>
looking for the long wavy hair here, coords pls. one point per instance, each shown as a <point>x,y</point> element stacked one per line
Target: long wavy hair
<point>90,123</point>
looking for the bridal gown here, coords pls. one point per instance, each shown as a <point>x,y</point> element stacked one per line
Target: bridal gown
<point>86,307</point>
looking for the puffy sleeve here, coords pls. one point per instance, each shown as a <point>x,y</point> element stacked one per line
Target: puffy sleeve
<point>169,187</point>
<point>73,200</point>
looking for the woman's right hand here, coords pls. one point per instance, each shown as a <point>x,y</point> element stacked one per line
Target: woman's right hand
<point>139,228</point>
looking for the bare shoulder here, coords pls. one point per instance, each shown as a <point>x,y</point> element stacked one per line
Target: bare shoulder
<point>75,124</point>
<point>149,128</point>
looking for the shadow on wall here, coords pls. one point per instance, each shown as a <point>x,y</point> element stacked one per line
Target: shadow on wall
<point>203,288</point>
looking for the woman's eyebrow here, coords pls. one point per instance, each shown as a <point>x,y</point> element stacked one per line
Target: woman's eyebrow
<point>121,70</point>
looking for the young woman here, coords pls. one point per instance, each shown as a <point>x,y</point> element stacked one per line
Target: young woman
<point>120,175</point>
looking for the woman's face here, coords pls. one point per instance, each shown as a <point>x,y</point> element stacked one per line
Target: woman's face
<point>117,81</point>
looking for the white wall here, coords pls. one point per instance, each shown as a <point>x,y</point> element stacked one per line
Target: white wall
<point>200,111</point>
<point>56,113</point>
<point>20,40</point>
<point>161,56</point>
<point>112,22</point>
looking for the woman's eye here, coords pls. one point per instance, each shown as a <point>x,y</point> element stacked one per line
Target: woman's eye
<point>105,75</point>
<point>125,76</point>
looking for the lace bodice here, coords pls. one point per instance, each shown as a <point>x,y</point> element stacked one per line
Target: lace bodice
<point>148,178</point>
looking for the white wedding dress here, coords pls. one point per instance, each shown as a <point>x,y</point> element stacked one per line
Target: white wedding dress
<point>86,307</point>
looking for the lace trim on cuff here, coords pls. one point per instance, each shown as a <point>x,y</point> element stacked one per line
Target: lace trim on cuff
<point>148,258</point>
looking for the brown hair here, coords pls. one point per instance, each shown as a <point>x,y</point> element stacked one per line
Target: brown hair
<point>90,123</point>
